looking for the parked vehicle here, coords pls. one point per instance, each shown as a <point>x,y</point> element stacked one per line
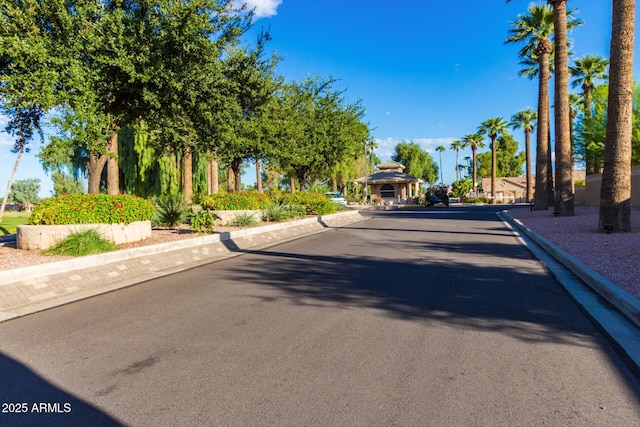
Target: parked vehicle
<point>336,198</point>
<point>437,195</point>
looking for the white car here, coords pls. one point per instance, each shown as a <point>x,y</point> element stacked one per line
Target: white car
<point>336,198</point>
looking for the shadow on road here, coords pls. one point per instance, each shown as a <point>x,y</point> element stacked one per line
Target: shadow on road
<point>30,400</point>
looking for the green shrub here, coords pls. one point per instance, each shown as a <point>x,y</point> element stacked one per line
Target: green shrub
<point>92,209</point>
<point>171,210</point>
<point>278,211</point>
<point>204,221</point>
<point>314,203</point>
<point>243,220</point>
<point>81,243</point>
<point>475,200</point>
<point>580,182</point>
<point>240,201</point>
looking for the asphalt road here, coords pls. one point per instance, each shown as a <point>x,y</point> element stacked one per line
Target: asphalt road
<point>436,317</point>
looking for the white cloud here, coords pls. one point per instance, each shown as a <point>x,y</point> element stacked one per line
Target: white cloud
<point>386,147</point>
<point>262,8</point>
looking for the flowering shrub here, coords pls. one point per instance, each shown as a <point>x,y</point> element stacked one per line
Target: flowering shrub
<point>92,209</point>
<point>314,203</point>
<point>240,201</point>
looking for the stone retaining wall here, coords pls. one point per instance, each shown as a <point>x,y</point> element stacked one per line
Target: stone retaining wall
<point>32,237</point>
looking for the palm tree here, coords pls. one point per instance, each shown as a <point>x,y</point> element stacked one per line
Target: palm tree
<point>526,120</point>
<point>474,141</point>
<point>615,195</point>
<point>492,128</point>
<point>441,149</point>
<point>563,205</point>
<point>586,71</point>
<point>534,29</point>
<point>456,145</point>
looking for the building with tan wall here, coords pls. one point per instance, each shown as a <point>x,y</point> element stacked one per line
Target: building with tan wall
<point>391,185</point>
<point>594,184</point>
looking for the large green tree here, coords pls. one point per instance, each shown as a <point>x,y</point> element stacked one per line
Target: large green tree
<point>586,71</point>
<point>251,85</point>
<point>417,162</point>
<point>509,161</point>
<point>314,128</point>
<point>126,60</point>
<point>615,196</point>
<point>25,191</point>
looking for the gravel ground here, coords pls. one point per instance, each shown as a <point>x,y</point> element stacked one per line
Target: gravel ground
<point>616,256</point>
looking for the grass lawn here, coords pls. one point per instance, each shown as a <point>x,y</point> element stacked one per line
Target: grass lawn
<point>12,219</point>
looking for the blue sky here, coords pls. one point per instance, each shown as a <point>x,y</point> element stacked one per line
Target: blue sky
<point>426,70</point>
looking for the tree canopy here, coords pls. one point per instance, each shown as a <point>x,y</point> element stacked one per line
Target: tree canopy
<point>418,162</point>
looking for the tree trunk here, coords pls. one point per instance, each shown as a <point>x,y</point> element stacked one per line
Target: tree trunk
<point>615,195</point>
<point>94,172</point>
<point>230,180</point>
<point>542,137</point>
<point>237,175</point>
<point>258,175</point>
<point>292,184</point>
<point>214,185</point>
<point>334,185</point>
<point>527,168</point>
<point>187,175</point>
<point>494,165</point>
<point>550,180</point>
<point>113,171</point>
<point>473,155</point>
<point>11,178</point>
<point>563,205</point>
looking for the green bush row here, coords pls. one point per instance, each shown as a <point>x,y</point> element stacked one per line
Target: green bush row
<point>92,209</point>
<point>252,200</point>
<point>314,203</point>
<point>475,200</point>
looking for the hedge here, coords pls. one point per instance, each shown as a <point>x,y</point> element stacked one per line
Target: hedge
<point>239,201</point>
<point>92,209</point>
<point>314,203</point>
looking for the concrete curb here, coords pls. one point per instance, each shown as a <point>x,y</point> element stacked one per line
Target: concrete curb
<point>65,266</point>
<point>623,301</point>
<point>31,289</point>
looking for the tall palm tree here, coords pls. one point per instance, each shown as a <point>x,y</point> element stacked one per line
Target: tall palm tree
<point>441,150</point>
<point>615,195</point>
<point>535,29</point>
<point>492,128</point>
<point>457,146</point>
<point>474,141</point>
<point>563,205</point>
<point>526,119</point>
<point>585,72</point>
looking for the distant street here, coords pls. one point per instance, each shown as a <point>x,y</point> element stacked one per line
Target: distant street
<point>431,317</point>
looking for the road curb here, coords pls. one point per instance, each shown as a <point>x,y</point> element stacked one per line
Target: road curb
<point>31,289</point>
<point>622,300</point>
